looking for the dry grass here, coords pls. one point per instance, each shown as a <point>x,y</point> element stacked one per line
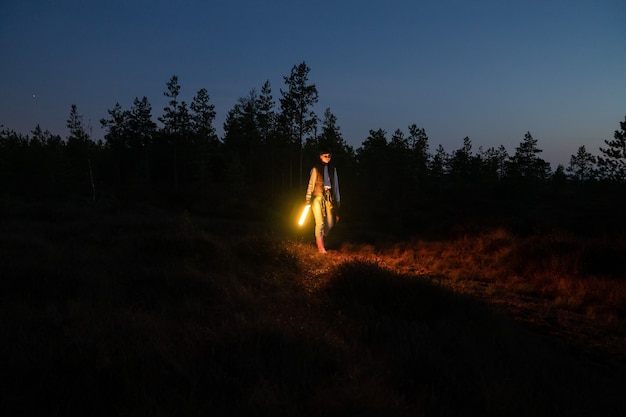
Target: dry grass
<point>111,311</point>
<point>570,288</point>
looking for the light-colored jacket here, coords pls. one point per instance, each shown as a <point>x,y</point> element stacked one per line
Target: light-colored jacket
<point>318,182</point>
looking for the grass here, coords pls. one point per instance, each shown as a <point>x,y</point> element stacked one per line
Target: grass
<point>138,311</point>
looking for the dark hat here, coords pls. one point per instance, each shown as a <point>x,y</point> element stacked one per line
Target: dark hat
<point>324,149</point>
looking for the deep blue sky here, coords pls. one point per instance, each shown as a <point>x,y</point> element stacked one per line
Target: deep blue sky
<point>488,69</point>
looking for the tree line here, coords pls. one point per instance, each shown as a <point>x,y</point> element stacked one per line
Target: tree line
<point>265,153</point>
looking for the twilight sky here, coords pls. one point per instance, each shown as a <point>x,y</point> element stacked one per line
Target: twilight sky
<point>487,69</point>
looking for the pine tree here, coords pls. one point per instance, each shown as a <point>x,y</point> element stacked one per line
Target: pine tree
<point>418,141</point>
<point>176,126</point>
<point>332,138</point>
<point>460,162</point>
<point>117,140</point>
<point>582,166</point>
<point>296,104</point>
<point>80,149</point>
<point>202,118</point>
<point>75,125</point>
<point>374,163</point>
<point>141,131</point>
<point>266,117</point>
<point>613,163</point>
<point>526,164</point>
<point>205,141</point>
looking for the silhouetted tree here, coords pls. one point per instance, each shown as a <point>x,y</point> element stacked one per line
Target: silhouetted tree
<point>462,164</point>
<point>438,167</point>
<point>176,129</point>
<point>400,184</point>
<point>332,138</point>
<point>117,141</point>
<point>494,163</point>
<point>47,160</point>
<point>75,125</point>
<point>418,142</point>
<point>141,131</point>
<point>276,147</point>
<point>525,164</point>
<point>13,162</point>
<point>559,177</point>
<point>242,140</point>
<point>582,166</point>
<point>374,165</point>
<point>205,141</point>
<point>266,115</point>
<point>116,127</point>
<point>490,166</point>
<point>613,162</point>
<point>202,118</point>
<point>296,105</point>
<point>80,150</point>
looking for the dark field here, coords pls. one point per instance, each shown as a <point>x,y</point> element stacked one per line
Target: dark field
<point>138,311</point>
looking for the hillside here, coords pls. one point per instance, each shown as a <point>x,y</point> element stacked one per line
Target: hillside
<point>113,310</point>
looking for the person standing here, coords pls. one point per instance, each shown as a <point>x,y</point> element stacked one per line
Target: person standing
<point>323,195</point>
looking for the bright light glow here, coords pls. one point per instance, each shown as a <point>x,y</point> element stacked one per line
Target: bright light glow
<point>305,211</point>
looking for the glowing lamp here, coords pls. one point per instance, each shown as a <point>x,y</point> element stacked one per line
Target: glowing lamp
<point>305,212</point>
